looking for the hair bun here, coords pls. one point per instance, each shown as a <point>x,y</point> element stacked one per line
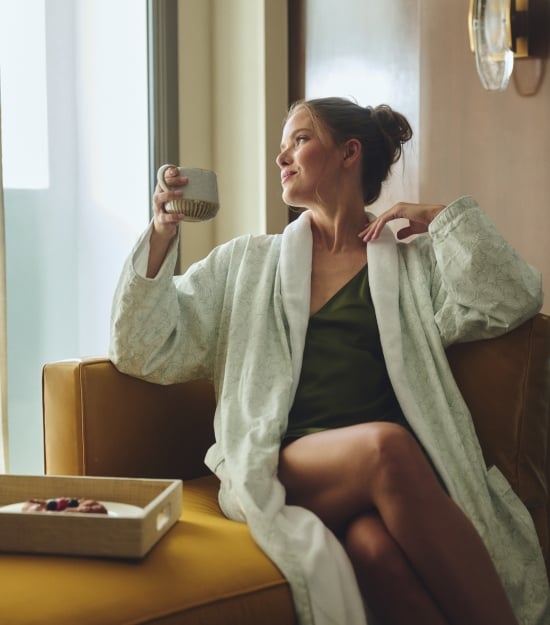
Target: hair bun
<point>394,127</point>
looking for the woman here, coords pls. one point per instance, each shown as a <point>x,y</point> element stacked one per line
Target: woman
<point>343,363</point>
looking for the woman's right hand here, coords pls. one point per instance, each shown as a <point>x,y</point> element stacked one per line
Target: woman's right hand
<point>166,224</point>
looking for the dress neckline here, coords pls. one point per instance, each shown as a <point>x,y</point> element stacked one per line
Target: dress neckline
<point>338,293</point>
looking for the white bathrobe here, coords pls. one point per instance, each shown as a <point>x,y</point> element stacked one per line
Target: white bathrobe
<point>239,318</point>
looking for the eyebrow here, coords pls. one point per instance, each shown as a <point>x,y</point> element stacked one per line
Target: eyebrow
<point>296,132</point>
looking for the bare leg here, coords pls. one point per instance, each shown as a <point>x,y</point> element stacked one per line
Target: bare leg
<point>389,585</point>
<point>343,474</point>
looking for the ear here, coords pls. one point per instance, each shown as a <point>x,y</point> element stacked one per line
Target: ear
<point>352,151</point>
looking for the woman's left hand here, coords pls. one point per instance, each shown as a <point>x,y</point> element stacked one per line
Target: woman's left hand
<point>420,216</point>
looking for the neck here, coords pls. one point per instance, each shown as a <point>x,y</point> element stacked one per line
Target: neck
<point>336,231</point>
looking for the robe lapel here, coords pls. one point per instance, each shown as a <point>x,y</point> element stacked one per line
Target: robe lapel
<point>295,274</point>
<point>383,269</point>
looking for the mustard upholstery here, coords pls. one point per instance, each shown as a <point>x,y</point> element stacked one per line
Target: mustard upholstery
<point>207,569</point>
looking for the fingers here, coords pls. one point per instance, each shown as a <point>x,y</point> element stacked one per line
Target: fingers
<point>175,192</point>
<point>174,182</point>
<point>161,198</point>
<point>373,230</point>
<point>173,179</point>
<point>165,223</point>
<point>419,217</point>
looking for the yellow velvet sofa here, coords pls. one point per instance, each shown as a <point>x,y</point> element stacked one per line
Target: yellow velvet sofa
<point>207,570</point>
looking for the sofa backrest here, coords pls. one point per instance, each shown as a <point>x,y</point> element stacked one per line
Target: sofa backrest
<point>98,421</point>
<point>506,384</point>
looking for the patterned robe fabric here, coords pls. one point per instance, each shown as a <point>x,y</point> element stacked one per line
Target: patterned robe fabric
<point>239,318</point>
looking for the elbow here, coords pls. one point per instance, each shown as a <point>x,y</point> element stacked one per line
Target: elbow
<point>534,297</point>
<point>123,364</point>
<point>126,360</point>
<point>526,303</point>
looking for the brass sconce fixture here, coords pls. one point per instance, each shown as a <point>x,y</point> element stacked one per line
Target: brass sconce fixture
<point>504,30</point>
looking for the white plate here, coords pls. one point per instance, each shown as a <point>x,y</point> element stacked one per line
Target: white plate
<point>113,509</point>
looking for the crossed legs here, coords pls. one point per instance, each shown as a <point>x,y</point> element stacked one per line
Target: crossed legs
<point>417,558</point>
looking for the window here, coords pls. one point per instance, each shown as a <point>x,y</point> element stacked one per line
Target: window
<point>23,95</point>
<point>76,187</point>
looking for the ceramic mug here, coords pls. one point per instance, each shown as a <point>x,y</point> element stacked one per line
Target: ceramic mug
<point>200,200</point>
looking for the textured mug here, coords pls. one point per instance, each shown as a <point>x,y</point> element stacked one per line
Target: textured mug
<point>200,200</point>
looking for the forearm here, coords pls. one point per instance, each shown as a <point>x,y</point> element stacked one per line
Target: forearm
<point>155,336</point>
<point>159,246</point>
<point>143,317</point>
<point>142,305</point>
<point>163,329</point>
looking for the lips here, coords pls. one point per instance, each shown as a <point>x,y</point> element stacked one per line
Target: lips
<point>285,175</point>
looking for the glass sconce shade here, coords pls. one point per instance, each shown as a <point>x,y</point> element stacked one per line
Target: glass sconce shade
<point>491,40</point>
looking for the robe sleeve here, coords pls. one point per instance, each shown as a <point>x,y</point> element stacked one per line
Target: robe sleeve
<point>480,286</point>
<point>164,329</point>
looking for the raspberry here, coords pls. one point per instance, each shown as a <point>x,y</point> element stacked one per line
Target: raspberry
<point>62,503</point>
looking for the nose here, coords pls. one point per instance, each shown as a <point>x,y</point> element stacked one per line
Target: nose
<point>283,158</point>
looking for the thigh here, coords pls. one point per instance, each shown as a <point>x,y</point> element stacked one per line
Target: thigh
<point>331,472</point>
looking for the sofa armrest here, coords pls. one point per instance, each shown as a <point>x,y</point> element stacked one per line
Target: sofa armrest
<point>98,421</point>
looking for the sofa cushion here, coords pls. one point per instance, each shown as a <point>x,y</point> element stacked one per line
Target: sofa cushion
<point>207,569</point>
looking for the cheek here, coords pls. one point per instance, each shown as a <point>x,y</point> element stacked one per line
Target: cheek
<point>320,171</point>
<point>312,164</point>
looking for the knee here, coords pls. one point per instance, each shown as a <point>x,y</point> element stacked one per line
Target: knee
<point>372,551</point>
<point>396,455</point>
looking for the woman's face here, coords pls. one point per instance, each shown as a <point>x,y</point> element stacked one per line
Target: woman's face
<point>305,161</point>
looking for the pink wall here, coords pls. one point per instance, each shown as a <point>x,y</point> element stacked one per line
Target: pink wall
<point>494,146</point>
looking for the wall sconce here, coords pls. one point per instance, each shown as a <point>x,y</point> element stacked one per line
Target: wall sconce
<point>499,31</point>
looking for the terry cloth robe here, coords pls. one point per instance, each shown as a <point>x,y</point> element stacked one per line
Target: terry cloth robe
<point>239,318</point>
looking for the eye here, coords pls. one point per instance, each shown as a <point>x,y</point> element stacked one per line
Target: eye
<point>301,139</point>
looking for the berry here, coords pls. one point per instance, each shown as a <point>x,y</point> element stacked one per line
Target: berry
<point>62,503</point>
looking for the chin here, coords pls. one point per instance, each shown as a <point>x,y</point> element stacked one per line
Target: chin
<point>293,201</point>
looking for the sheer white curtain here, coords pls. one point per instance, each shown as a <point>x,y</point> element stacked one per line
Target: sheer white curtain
<point>79,119</point>
<point>3,328</point>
